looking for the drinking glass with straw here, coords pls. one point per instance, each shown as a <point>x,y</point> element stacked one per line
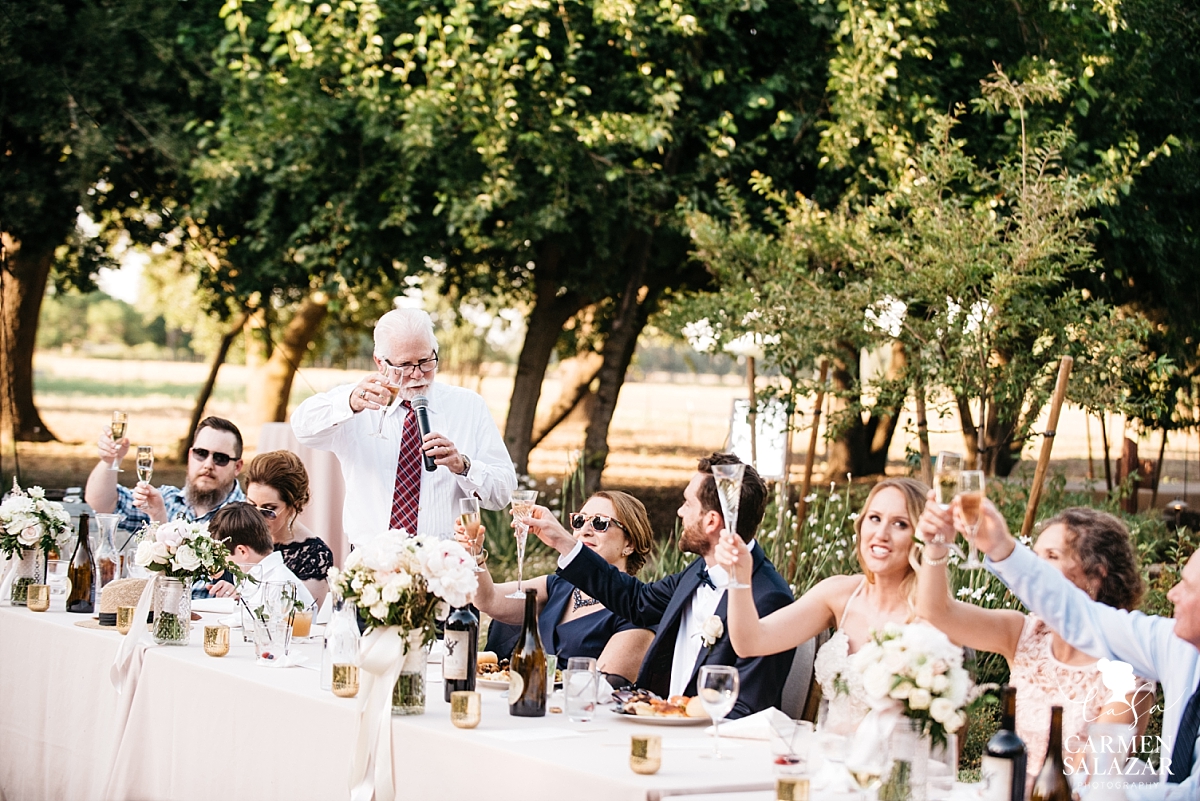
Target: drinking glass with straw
<point>970,498</point>
<point>118,428</point>
<point>729,491</point>
<point>523,502</point>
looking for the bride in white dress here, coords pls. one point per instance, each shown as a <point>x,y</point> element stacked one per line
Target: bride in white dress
<point>884,593</point>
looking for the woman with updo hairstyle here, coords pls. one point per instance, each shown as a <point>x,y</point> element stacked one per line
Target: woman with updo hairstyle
<point>1095,551</point>
<point>277,484</point>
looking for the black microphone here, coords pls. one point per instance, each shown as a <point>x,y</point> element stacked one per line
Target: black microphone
<point>420,405</point>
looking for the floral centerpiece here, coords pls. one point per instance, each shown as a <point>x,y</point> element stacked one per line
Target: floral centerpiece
<point>180,552</point>
<point>916,669</point>
<point>30,527</point>
<point>402,586</point>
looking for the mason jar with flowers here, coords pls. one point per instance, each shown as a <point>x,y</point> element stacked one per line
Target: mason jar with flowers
<point>30,526</point>
<point>180,552</point>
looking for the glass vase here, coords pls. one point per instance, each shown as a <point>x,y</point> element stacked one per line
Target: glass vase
<point>30,569</point>
<point>172,611</point>
<point>910,762</point>
<point>408,696</point>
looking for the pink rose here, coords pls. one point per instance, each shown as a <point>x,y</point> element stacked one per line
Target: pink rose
<point>171,534</point>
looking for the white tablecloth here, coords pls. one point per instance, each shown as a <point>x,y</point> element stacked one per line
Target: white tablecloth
<point>201,728</point>
<point>327,490</point>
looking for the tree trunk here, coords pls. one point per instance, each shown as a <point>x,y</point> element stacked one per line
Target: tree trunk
<point>550,312</point>
<point>275,385</point>
<point>1000,453</point>
<point>206,391</point>
<point>258,353</point>
<point>577,374</point>
<point>24,270</point>
<point>862,447</point>
<point>637,302</point>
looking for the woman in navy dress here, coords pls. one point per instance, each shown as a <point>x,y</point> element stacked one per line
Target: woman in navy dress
<point>615,525</point>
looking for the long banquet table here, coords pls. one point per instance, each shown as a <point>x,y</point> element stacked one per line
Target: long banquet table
<point>200,728</point>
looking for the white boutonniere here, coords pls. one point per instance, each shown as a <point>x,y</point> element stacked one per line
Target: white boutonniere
<point>712,631</point>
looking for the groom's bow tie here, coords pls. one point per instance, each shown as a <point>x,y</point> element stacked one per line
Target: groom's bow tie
<point>706,579</point>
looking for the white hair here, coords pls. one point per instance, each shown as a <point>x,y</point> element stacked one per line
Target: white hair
<point>403,325</point>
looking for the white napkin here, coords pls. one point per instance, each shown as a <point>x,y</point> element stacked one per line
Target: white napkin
<point>218,606</point>
<point>752,727</point>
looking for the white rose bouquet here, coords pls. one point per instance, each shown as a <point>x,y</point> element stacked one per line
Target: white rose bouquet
<point>28,520</point>
<point>183,550</point>
<point>916,668</point>
<point>403,581</point>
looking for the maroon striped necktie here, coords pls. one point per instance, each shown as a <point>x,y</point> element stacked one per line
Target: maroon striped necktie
<point>407,498</point>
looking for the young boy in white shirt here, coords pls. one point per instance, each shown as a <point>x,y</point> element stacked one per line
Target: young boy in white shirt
<point>241,527</point>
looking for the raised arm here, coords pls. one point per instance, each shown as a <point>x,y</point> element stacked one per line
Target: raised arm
<point>995,630</point>
<point>492,598</point>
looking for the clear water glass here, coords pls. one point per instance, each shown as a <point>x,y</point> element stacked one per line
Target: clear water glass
<point>717,687</point>
<point>580,686</point>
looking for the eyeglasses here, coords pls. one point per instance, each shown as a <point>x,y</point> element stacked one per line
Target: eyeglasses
<point>425,365</point>
<point>219,459</point>
<point>599,523</point>
<point>269,514</point>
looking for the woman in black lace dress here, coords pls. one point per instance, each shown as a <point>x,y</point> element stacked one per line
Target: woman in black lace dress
<point>277,483</point>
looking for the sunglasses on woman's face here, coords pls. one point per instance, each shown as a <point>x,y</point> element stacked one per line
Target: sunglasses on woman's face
<point>599,522</point>
<point>219,459</point>
<point>269,514</point>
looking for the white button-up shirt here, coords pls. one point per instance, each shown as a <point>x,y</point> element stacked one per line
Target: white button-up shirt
<point>271,568</point>
<point>326,422</point>
<point>1148,643</point>
<point>688,641</point>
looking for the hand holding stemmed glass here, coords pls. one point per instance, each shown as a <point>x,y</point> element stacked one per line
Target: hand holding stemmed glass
<point>946,474</point>
<point>523,502</point>
<point>717,686</point>
<point>145,463</point>
<point>117,430</point>
<point>970,499</point>
<point>728,478</point>
<point>392,376</point>
<point>470,522</point>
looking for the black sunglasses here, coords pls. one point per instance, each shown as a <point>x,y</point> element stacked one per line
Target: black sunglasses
<point>270,514</point>
<point>599,522</point>
<point>219,459</point>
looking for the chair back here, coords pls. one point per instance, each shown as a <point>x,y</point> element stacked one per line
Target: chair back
<point>798,686</point>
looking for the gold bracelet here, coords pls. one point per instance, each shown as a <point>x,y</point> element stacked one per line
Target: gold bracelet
<point>935,562</point>
<point>481,557</point>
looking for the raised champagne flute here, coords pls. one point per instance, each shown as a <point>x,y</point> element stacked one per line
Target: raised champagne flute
<point>970,496</point>
<point>729,491</point>
<point>523,502</point>
<point>717,686</point>
<point>391,382</point>
<point>145,463</point>
<point>118,427</point>
<point>945,477</point>
<point>469,517</point>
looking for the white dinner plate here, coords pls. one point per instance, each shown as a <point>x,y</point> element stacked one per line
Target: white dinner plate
<point>491,684</point>
<point>657,721</point>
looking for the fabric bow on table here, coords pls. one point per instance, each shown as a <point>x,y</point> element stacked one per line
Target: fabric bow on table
<point>381,656</point>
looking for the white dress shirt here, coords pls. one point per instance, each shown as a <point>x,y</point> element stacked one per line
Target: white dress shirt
<point>701,607</point>
<point>326,422</point>
<point>272,568</point>
<point>1148,643</point>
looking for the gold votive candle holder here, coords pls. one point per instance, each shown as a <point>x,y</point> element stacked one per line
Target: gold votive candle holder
<point>465,709</point>
<point>37,597</point>
<point>125,618</point>
<point>345,680</point>
<point>645,753</point>
<point>216,640</point>
<point>791,788</point>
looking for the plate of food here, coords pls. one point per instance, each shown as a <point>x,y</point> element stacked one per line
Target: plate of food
<point>642,706</point>
<point>492,673</point>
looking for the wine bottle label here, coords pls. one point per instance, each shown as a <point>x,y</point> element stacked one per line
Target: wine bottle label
<point>458,651</point>
<point>516,687</point>
<point>997,778</point>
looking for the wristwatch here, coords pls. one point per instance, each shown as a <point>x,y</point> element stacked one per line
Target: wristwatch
<point>466,464</point>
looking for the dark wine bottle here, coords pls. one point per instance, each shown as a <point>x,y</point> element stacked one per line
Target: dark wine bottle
<point>82,573</point>
<point>1052,783</point>
<point>1004,758</point>
<point>462,645</point>
<point>527,668</point>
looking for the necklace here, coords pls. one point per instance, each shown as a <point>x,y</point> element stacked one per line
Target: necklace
<point>578,601</point>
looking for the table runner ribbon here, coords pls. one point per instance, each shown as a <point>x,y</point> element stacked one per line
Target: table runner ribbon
<point>381,656</point>
<point>10,575</point>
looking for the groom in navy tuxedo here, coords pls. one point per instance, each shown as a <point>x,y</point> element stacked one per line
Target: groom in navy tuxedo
<point>687,609</point>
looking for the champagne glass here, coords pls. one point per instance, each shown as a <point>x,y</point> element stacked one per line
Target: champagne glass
<point>867,769</point>
<point>392,376</point>
<point>118,427</point>
<point>523,502</point>
<point>729,491</point>
<point>470,521</point>
<point>949,465</point>
<point>145,463</point>
<point>970,497</point>
<point>717,687</point>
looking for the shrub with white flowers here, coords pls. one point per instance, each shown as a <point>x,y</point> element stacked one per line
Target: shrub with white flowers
<point>397,580</point>
<point>917,667</point>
